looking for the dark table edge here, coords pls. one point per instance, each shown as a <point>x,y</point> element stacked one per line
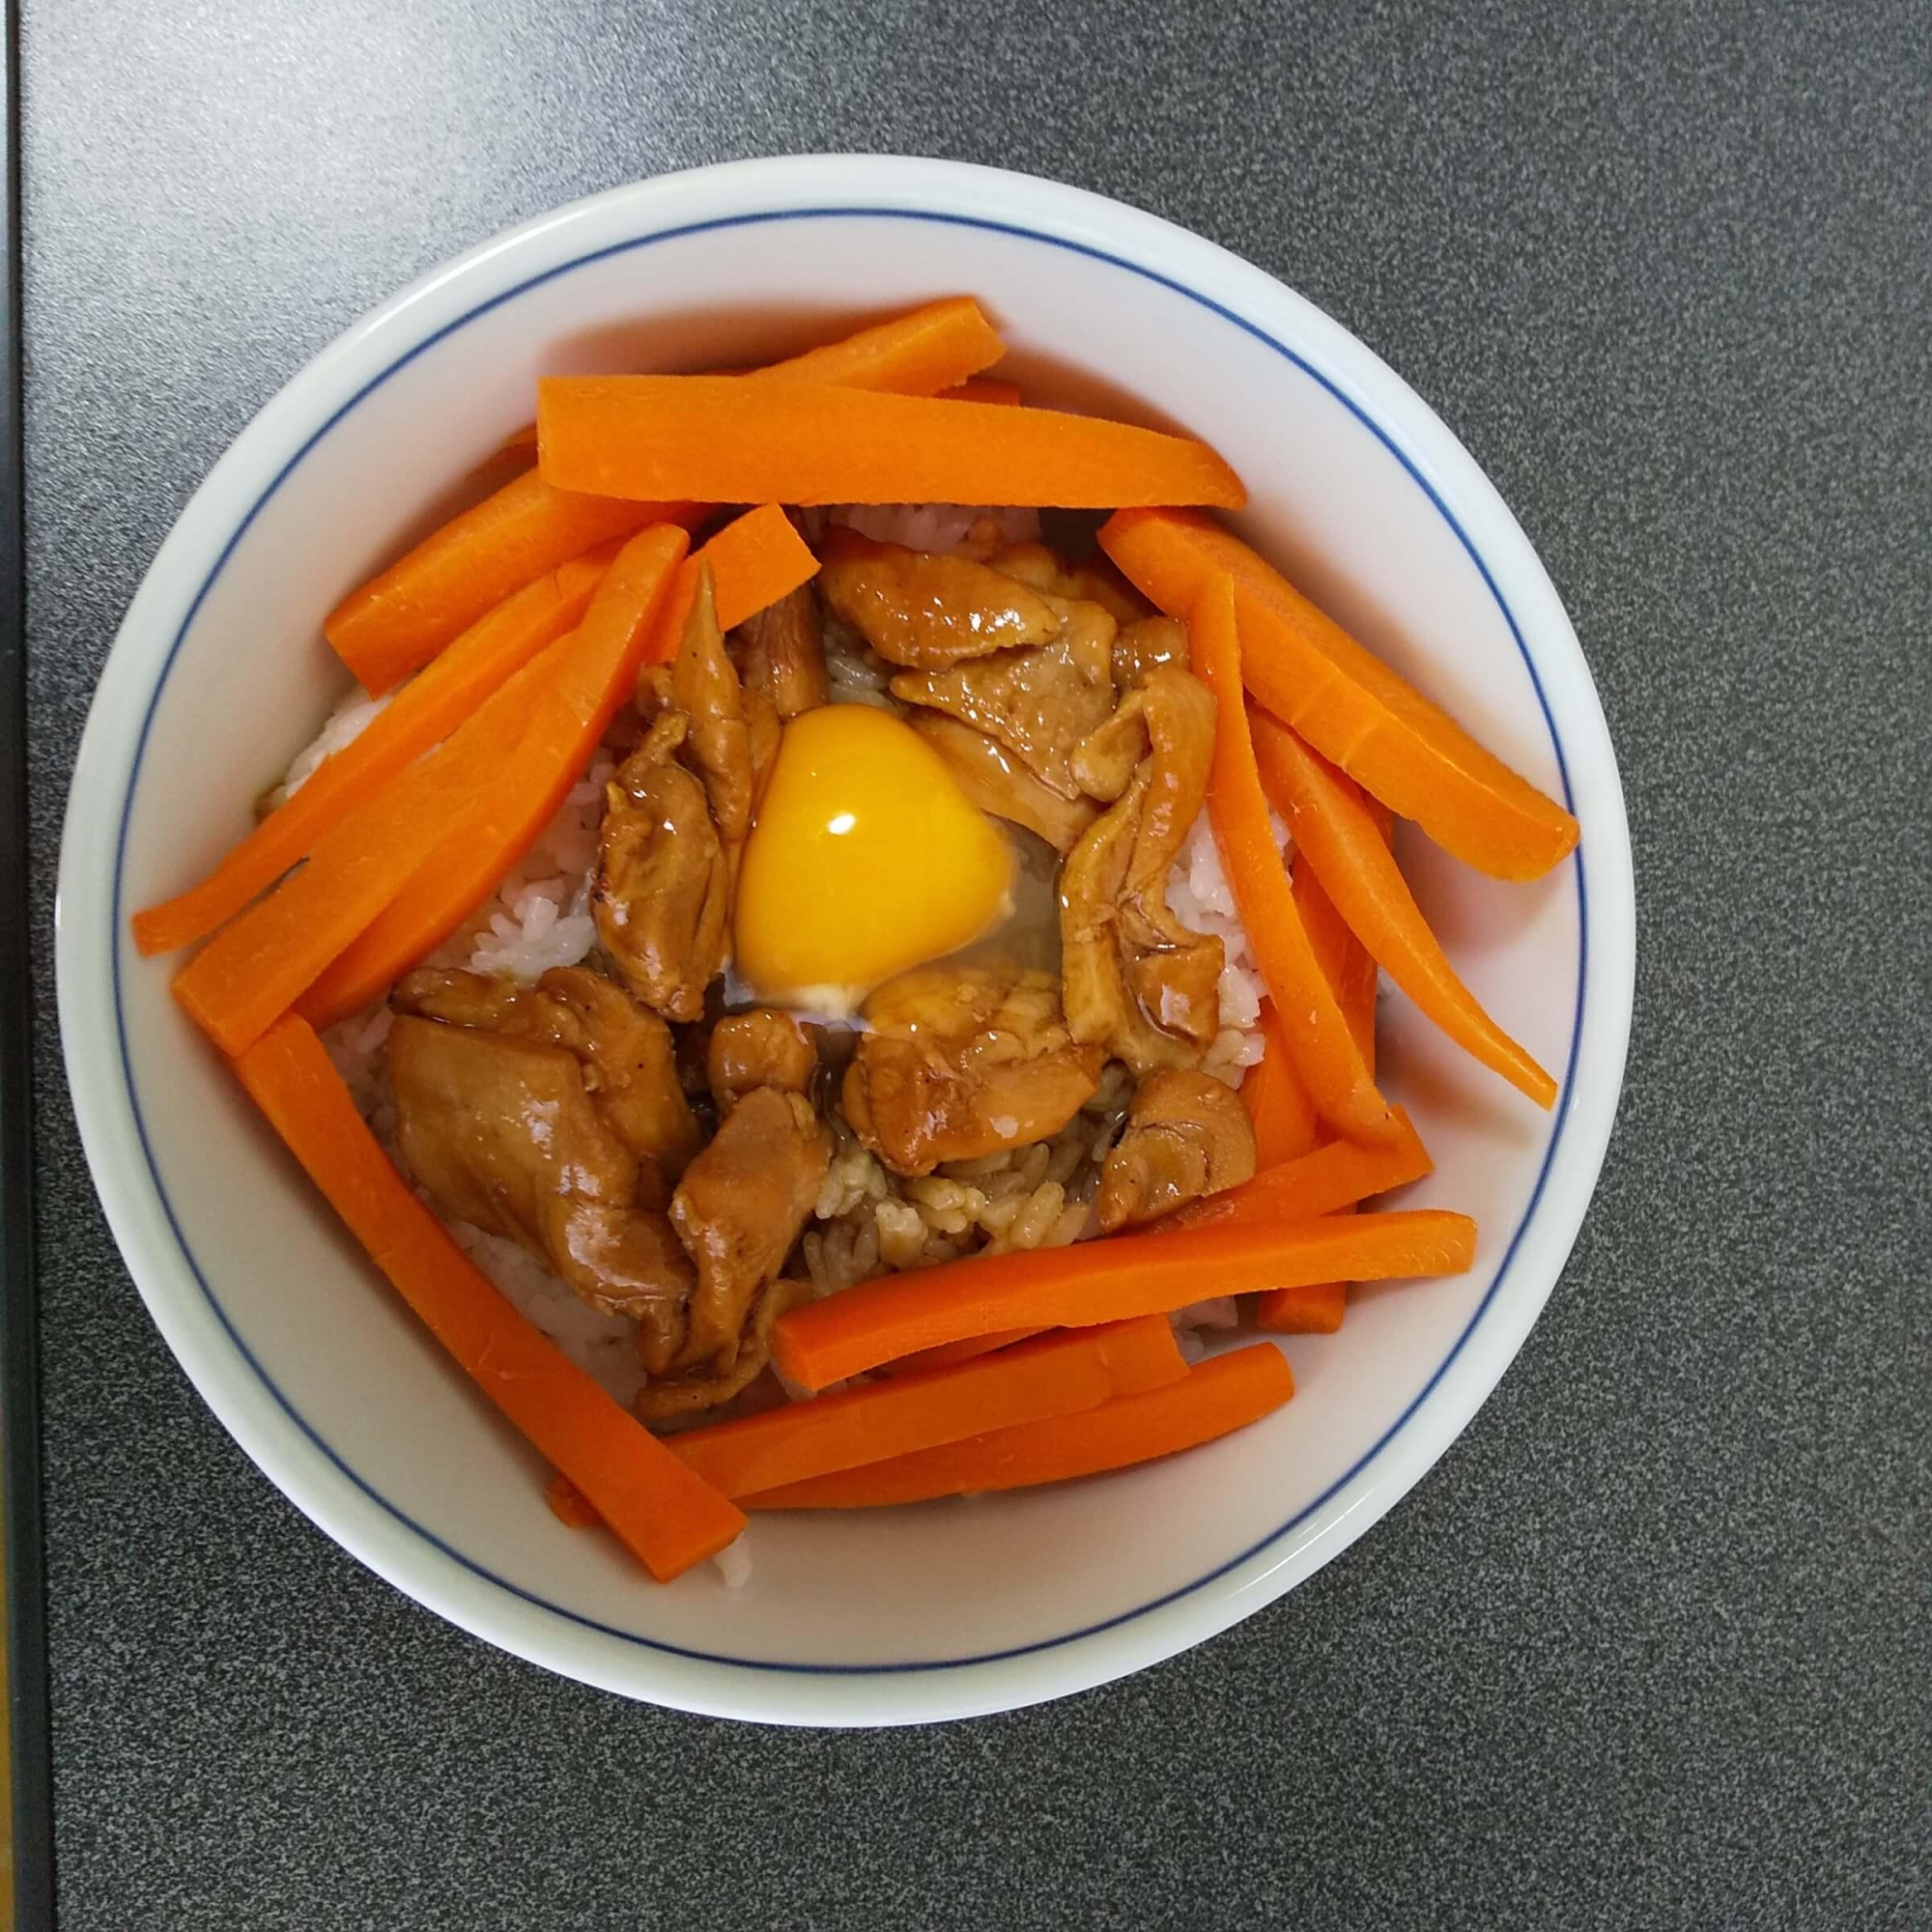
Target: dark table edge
<point>20,1337</point>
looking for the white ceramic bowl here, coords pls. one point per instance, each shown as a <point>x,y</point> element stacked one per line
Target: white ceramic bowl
<point>221,673</point>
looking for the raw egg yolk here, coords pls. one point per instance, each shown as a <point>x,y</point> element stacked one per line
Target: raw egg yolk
<point>866,859</point>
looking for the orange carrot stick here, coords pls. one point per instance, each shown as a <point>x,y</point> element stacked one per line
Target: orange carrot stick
<point>1317,1308</point>
<point>252,971</point>
<point>1336,834</point>
<point>934,348</point>
<point>1104,1281</point>
<point>1285,1120</point>
<point>1326,1057</point>
<point>1345,963</point>
<point>922,352</point>
<point>780,441</point>
<point>750,576</point>
<point>755,560</point>
<point>569,1504</point>
<point>421,716</point>
<point>445,889</point>
<point>454,872</point>
<point>1055,1376</point>
<point>1220,1395</point>
<point>669,1518</point>
<point>986,389</point>
<point>951,1353</point>
<point>667,629</point>
<point>1325,1181</point>
<point>1348,704</point>
<point>399,620</point>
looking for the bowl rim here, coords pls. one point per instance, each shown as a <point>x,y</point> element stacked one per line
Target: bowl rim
<point>90,943</point>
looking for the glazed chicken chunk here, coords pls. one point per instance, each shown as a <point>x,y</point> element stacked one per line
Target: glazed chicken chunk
<point>1135,980</point>
<point>500,1132</point>
<point>957,1064</point>
<point>692,1391</point>
<point>676,817</point>
<point>782,654</point>
<point>1041,704</point>
<point>705,687</point>
<point>1147,646</point>
<point>1027,667</point>
<point>926,611</point>
<point>1188,1135</point>
<point>553,1115</point>
<point>1093,582</point>
<point>663,895</point>
<point>626,1053</point>
<point>739,1208</point>
<point>763,1048</point>
<point>994,779</point>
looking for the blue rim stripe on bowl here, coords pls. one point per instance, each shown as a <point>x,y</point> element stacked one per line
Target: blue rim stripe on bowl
<point>118,941</point>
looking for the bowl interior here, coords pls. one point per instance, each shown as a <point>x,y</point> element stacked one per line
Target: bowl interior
<point>250,678</point>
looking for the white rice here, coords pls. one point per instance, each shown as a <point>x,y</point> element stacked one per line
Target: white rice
<point>1201,898</point>
<point>540,917</point>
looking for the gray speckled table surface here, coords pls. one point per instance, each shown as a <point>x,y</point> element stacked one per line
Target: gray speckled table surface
<point>1651,1646</point>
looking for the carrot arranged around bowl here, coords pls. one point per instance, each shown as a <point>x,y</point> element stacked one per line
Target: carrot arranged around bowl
<point>1300,665</point>
<point>754,560</point>
<point>1214,1399</point>
<point>464,868</point>
<point>1056,1375</point>
<point>914,355</point>
<point>255,968</point>
<point>513,762</point>
<point>1327,1057</point>
<point>985,390</point>
<point>1332,1178</point>
<point>1285,1120</point>
<point>423,713</point>
<point>397,622</point>
<point>924,352</point>
<point>735,441</point>
<point>533,613</point>
<point>400,618</point>
<point>1397,748</point>
<point>1336,832</point>
<point>1318,1308</point>
<point>1111,1280</point>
